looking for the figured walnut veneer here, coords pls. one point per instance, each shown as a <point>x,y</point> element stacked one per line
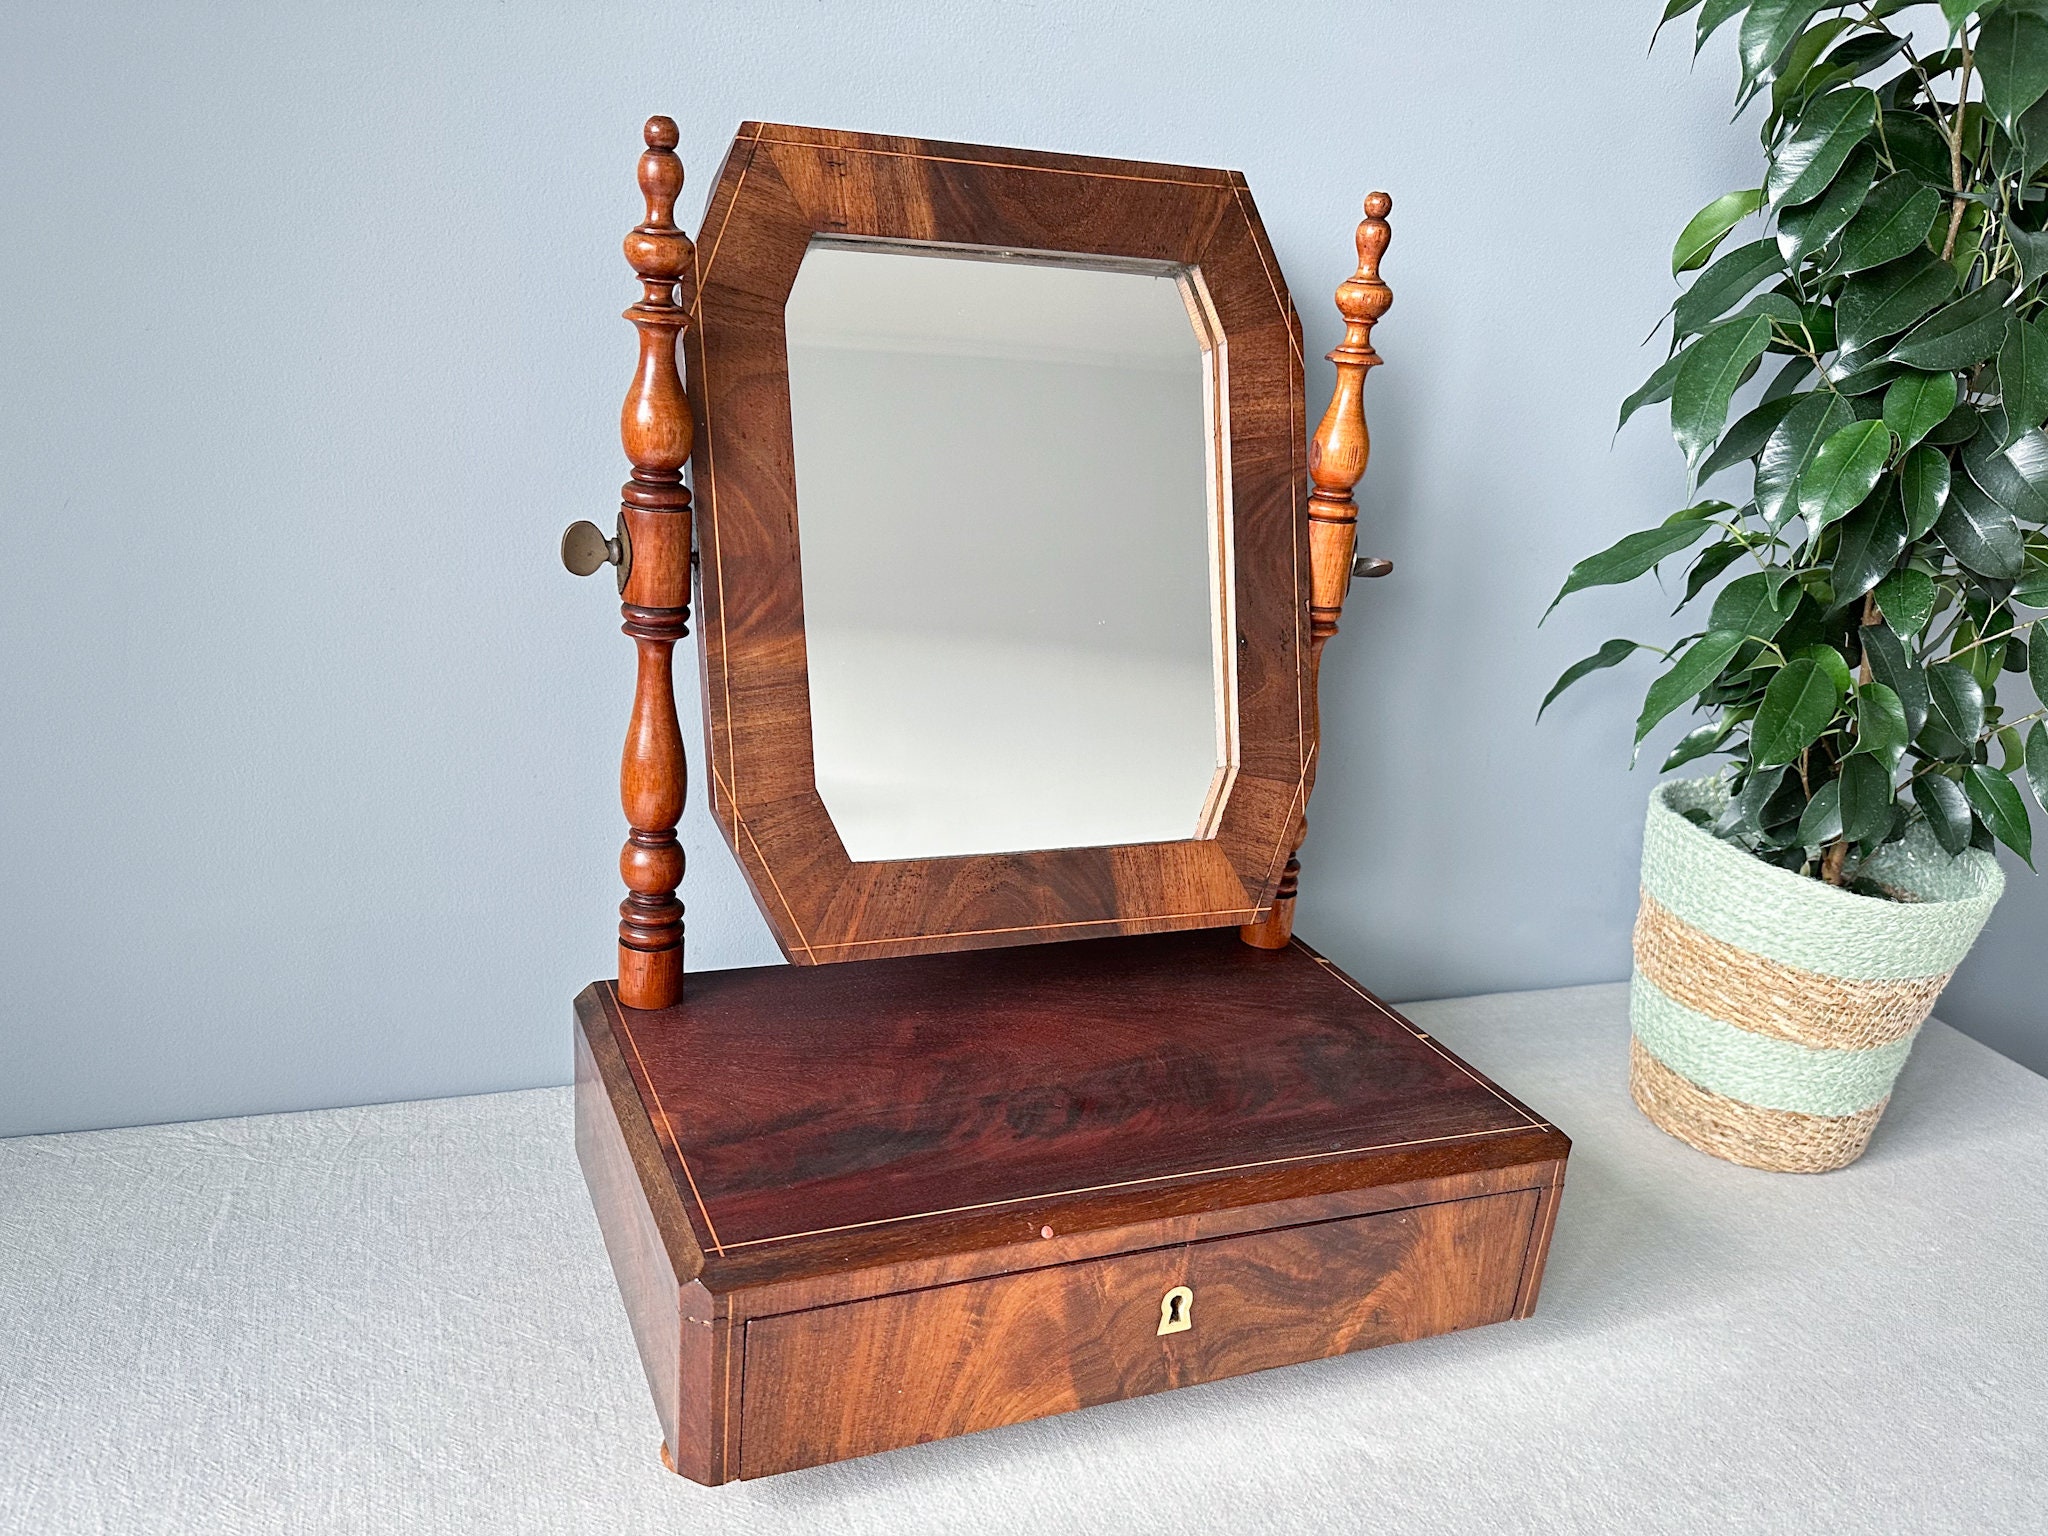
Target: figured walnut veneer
<point>781,186</point>
<point>857,1207</point>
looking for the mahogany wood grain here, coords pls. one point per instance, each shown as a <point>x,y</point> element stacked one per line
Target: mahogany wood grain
<point>779,188</point>
<point>656,428</point>
<point>807,1139</point>
<point>1336,461</point>
<point>899,1370</point>
<point>898,1090</point>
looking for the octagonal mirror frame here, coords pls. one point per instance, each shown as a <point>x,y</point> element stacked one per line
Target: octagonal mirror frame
<point>779,188</point>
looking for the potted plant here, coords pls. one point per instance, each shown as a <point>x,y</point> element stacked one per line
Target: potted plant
<point>1871,600</point>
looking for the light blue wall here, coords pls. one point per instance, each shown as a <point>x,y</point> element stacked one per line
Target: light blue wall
<point>311,347</point>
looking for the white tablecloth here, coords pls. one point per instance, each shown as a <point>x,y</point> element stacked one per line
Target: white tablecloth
<point>400,1319</point>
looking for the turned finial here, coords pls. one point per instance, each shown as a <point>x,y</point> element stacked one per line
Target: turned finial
<point>656,422</point>
<point>1362,298</point>
<point>660,253</point>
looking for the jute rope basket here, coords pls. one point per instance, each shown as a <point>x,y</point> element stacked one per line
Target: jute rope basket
<point>1772,1011</point>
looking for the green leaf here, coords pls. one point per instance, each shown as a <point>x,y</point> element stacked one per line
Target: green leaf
<point>2023,377</point>
<point>1856,373</point>
<point>1821,822</point>
<point>1767,31</point>
<point>1997,800</point>
<point>1752,806</point>
<point>1918,147</point>
<point>1747,437</point>
<point>1613,653</point>
<point>1962,424</point>
<point>2015,478</point>
<point>1797,75</point>
<point>1866,801</point>
<point>1706,229</point>
<point>1698,743</point>
<point>1831,662</point>
<point>1881,727</point>
<point>1814,582</point>
<point>1887,299</point>
<point>2028,456</point>
<point>1790,377</point>
<point>1753,606</point>
<point>2030,247</point>
<point>2012,61</point>
<point>1980,534</point>
<point>1804,230</point>
<point>1955,713</point>
<point>1957,12</point>
<point>1797,707</point>
<point>1923,484</point>
<point>2019,653</point>
<point>1699,512</point>
<point>2037,664</point>
<point>1893,664</point>
<point>1688,677</point>
<point>1873,538</point>
<point>1842,473</point>
<point>1906,599</point>
<point>1672,12</point>
<point>1893,222</point>
<point>1916,403</point>
<point>2037,762</point>
<point>1790,449</point>
<point>1656,387</point>
<point>1832,126</point>
<point>2033,591</point>
<point>1715,291</point>
<point>2033,141</point>
<point>1714,365</point>
<point>1947,811</point>
<point>1961,335</point>
<point>1628,558</point>
<point>1711,562</point>
<point>1717,12</point>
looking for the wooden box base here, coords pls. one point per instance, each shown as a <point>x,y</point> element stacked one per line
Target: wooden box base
<point>864,1206</point>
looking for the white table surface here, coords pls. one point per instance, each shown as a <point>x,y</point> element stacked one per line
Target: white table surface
<point>399,1319</point>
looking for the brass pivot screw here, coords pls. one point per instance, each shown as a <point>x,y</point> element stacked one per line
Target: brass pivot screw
<point>585,548</point>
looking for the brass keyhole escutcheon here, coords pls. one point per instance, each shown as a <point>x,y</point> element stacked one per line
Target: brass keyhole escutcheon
<point>1176,1311</point>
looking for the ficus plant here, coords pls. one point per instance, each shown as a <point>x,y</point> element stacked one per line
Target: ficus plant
<point>1865,662</point>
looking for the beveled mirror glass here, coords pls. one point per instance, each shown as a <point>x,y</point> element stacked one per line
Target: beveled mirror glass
<point>1011,544</point>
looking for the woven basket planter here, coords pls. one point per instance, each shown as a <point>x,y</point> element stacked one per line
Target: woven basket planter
<point>1772,1011</point>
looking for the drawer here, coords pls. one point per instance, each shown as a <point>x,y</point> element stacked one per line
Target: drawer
<point>898,1370</point>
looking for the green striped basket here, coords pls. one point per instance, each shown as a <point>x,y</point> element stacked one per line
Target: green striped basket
<point>1772,1011</point>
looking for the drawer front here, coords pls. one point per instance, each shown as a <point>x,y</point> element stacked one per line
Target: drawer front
<point>898,1370</point>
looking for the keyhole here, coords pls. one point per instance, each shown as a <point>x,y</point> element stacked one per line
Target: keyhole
<point>1177,1310</point>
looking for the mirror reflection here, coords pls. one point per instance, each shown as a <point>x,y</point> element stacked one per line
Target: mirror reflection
<point>1007,479</point>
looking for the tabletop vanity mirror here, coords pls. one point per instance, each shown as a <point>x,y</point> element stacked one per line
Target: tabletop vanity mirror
<point>1012,563</point>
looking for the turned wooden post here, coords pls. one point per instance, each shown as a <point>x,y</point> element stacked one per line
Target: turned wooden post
<point>1336,459</point>
<point>654,518</point>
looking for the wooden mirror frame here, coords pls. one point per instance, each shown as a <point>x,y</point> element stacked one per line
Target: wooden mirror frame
<point>1286,566</point>
<point>779,188</point>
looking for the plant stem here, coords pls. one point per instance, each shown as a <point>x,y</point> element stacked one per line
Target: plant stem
<point>2003,634</point>
<point>1955,156</point>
